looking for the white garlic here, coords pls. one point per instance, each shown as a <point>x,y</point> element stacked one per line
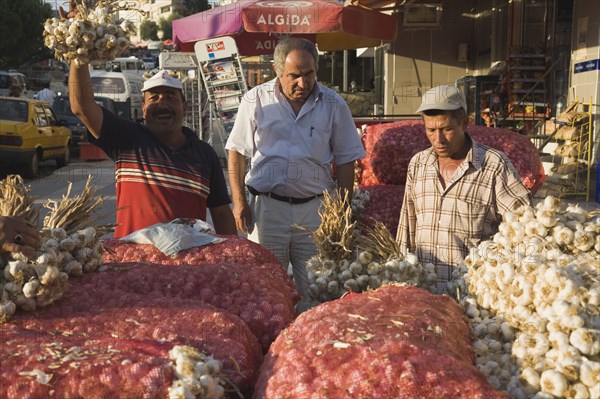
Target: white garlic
<point>553,382</point>
<point>586,340</point>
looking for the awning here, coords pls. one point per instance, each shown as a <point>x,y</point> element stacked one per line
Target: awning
<point>257,26</point>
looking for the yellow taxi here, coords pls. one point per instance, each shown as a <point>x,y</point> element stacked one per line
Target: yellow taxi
<point>30,133</point>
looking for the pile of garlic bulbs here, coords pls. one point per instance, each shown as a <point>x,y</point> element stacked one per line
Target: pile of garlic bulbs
<point>197,375</point>
<point>539,278</point>
<point>74,254</point>
<point>97,35</point>
<point>29,284</point>
<point>329,280</point>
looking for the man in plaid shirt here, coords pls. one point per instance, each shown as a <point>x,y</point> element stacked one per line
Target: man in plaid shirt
<point>457,190</point>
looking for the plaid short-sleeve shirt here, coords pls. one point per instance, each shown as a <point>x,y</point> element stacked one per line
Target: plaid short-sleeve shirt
<point>440,224</point>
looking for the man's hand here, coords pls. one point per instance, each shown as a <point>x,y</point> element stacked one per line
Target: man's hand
<point>242,215</point>
<point>17,236</point>
<point>72,10</point>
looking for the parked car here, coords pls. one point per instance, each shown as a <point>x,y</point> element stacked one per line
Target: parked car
<point>62,108</point>
<point>30,132</point>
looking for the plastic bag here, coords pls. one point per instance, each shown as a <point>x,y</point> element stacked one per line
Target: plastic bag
<point>175,236</point>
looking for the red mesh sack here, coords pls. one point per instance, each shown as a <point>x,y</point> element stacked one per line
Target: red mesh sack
<point>518,148</point>
<point>80,367</point>
<point>385,204</point>
<point>233,250</point>
<point>391,146</point>
<point>259,298</point>
<point>395,342</point>
<point>182,322</point>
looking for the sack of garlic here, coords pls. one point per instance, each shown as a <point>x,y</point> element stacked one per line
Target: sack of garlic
<point>533,296</point>
<point>98,34</point>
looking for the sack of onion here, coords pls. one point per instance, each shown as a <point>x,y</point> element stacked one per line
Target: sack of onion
<point>383,205</point>
<point>259,298</point>
<point>390,147</point>
<point>537,282</point>
<point>39,364</point>
<point>149,317</point>
<point>393,342</point>
<point>232,250</point>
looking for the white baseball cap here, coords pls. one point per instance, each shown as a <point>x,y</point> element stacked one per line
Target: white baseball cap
<point>162,78</point>
<point>443,98</point>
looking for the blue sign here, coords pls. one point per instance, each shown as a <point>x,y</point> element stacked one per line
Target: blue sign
<point>592,65</point>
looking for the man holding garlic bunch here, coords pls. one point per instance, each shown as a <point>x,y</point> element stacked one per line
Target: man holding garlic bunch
<point>163,170</point>
<point>457,190</point>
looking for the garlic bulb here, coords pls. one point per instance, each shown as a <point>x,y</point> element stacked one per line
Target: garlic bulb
<point>329,280</point>
<point>28,284</point>
<point>97,35</point>
<point>197,375</point>
<point>538,277</point>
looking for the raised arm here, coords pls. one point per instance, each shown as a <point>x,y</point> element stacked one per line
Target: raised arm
<point>81,96</point>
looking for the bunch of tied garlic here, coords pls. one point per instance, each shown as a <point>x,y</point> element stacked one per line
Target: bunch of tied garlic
<point>329,280</point>
<point>348,260</point>
<point>30,282</point>
<point>97,34</point>
<point>197,375</point>
<point>537,282</point>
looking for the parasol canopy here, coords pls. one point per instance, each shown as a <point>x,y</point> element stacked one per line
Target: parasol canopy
<point>258,25</point>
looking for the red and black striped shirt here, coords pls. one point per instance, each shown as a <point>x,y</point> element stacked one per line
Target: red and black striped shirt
<point>155,184</point>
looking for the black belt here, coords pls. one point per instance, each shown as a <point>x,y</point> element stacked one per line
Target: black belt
<point>290,200</point>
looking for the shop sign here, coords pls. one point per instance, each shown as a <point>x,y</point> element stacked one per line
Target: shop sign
<point>586,66</point>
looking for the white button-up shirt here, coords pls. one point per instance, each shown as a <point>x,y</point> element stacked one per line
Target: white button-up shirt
<point>46,95</point>
<point>292,155</point>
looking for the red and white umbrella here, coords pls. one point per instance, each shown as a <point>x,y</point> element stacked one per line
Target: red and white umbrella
<point>257,25</point>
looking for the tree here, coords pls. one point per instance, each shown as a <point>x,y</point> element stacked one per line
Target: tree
<point>149,30</point>
<point>166,25</point>
<point>189,7</point>
<point>21,28</point>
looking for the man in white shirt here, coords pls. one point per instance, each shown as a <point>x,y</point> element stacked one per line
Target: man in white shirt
<point>46,94</point>
<point>293,130</point>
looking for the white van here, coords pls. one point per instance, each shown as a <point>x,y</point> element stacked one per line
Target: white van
<point>131,65</point>
<point>124,89</point>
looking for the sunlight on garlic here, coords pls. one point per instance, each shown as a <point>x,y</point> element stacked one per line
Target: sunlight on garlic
<point>99,34</point>
<point>537,278</point>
